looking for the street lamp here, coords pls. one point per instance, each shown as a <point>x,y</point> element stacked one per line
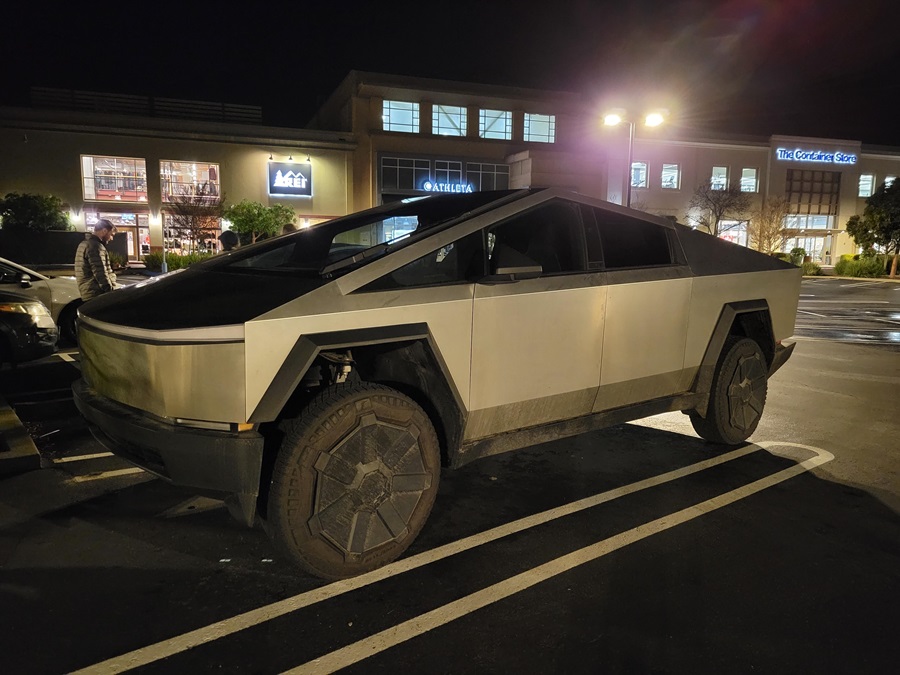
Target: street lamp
<point>620,116</point>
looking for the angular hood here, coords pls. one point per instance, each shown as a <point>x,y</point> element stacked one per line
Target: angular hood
<point>198,297</point>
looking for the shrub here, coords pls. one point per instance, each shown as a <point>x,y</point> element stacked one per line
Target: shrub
<point>117,259</point>
<point>153,261</point>
<point>39,213</point>
<point>797,255</point>
<point>781,256</point>
<point>842,265</point>
<point>864,267</point>
<point>811,269</point>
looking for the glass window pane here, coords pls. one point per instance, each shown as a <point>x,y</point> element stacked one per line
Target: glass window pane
<point>495,124</point>
<point>639,174</point>
<point>748,180</point>
<point>719,178</point>
<point>448,120</point>
<point>401,116</point>
<point>866,184</point>
<point>671,177</point>
<point>188,179</point>
<point>540,128</point>
<point>114,179</point>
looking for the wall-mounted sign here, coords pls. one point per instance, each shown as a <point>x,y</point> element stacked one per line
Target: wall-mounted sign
<point>291,179</point>
<point>798,155</point>
<point>432,186</point>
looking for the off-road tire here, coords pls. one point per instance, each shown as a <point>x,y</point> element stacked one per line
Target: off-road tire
<point>737,396</point>
<point>354,481</point>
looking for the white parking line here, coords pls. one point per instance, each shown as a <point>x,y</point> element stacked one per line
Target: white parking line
<point>105,474</point>
<point>851,302</point>
<point>79,458</point>
<point>358,651</point>
<point>66,357</point>
<point>821,316</point>
<point>181,643</point>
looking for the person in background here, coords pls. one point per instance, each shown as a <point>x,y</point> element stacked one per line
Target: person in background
<point>230,240</point>
<point>92,267</point>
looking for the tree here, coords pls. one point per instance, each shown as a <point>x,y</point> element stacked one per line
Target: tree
<point>718,204</point>
<point>880,223</point>
<point>195,216</point>
<point>39,213</point>
<point>258,221</point>
<point>766,229</point>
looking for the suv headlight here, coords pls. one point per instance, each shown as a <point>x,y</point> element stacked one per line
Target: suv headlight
<point>33,308</point>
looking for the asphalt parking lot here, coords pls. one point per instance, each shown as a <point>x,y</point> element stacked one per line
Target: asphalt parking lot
<point>634,549</point>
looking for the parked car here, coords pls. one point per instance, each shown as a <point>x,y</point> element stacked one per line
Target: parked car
<point>320,379</point>
<point>27,330</point>
<point>59,294</point>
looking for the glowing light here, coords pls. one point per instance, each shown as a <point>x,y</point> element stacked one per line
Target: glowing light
<point>612,119</point>
<point>654,119</point>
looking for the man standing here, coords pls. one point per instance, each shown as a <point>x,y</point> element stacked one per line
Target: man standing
<point>92,269</point>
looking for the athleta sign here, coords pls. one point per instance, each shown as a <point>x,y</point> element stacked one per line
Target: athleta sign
<point>431,186</point>
<point>799,155</point>
<point>290,179</point>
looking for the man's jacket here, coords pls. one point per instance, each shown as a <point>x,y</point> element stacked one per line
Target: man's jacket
<point>92,268</point>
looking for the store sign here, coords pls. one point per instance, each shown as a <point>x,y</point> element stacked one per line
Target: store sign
<point>290,179</point>
<point>432,186</point>
<point>799,155</point>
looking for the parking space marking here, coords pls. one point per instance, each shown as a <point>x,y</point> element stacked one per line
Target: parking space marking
<point>363,649</point>
<point>180,643</point>
<point>65,356</point>
<point>106,474</point>
<point>821,316</point>
<point>79,458</point>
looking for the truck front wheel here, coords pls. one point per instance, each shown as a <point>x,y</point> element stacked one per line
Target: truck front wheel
<point>354,481</point>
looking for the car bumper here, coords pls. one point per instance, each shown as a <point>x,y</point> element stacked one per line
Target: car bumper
<point>782,354</point>
<point>211,461</point>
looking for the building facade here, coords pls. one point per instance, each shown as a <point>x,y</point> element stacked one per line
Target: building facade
<point>380,138</point>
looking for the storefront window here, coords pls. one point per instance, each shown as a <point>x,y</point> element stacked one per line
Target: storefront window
<point>734,231</point>
<point>495,124</point>
<point>133,227</point>
<point>400,116</point>
<point>718,180</point>
<point>487,176</point>
<point>639,174</point>
<point>114,179</point>
<point>448,120</point>
<point>189,179</point>
<point>671,177</point>
<point>540,128</point>
<point>749,181</point>
<point>404,174</point>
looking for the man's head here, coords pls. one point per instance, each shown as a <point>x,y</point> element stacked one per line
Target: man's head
<point>104,230</point>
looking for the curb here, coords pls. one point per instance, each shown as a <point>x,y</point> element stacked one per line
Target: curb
<point>18,453</point>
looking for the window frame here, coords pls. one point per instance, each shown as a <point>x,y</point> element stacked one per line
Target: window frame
<point>164,182</point>
<point>449,129</point>
<point>531,136</point>
<point>485,130</point>
<point>141,196</point>
<point>645,182</point>
<point>862,191</point>
<point>713,178</point>
<point>662,173</point>
<point>391,105</point>
<point>755,179</point>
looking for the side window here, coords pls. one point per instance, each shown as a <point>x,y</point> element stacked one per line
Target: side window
<point>461,262</point>
<point>550,235</point>
<point>8,275</point>
<point>630,242</point>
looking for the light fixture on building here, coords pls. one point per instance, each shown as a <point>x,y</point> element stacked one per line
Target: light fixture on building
<point>291,157</point>
<point>307,158</point>
<point>270,156</point>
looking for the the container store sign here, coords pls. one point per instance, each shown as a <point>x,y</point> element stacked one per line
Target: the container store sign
<point>292,179</point>
<point>798,155</point>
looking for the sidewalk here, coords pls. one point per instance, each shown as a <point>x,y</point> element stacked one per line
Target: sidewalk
<point>18,453</point>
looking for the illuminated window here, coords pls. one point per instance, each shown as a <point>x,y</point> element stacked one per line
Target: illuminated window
<point>749,181</point>
<point>718,180</point>
<point>448,120</point>
<point>540,128</point>
<point>189,179</point>
<point>671,177</point>
<point>495,124</point>
<point>889,180</point>
<point>401,116</point>
<point>114,179</point>
<point>866,184</point>
<point>639,174</point>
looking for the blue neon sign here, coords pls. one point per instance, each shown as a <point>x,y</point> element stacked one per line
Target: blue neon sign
<point>433,186</point>
<point>798,155</point>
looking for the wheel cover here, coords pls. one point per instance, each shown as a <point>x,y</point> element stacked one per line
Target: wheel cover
<point>368,486</point>
<point>747,392</point>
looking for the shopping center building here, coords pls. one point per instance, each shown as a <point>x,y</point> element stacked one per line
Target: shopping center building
<point>379,138</point>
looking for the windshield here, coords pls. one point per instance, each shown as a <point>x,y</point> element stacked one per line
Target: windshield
<point>341,243</point>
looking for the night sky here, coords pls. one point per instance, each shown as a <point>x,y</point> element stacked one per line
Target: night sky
<point>826,68</point>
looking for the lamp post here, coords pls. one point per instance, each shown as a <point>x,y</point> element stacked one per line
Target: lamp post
<point>619,116</point>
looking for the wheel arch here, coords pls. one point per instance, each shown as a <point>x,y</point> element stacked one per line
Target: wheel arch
<point>404,357</point>
<point>746,318</point>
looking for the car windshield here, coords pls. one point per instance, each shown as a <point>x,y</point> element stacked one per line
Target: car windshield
<point>344,242</point>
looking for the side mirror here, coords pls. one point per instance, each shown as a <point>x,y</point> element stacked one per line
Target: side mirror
<point>25,280</point>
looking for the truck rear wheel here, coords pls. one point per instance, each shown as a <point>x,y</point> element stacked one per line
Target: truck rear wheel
<point>354,481</point>
<point>737,395</point>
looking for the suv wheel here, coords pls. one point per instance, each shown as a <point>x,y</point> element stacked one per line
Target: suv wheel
<point>354,481</point>
<point>737,395</point>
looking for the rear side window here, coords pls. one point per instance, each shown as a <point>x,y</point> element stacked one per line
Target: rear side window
<point>550,235</point>
<point>626,242</point>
